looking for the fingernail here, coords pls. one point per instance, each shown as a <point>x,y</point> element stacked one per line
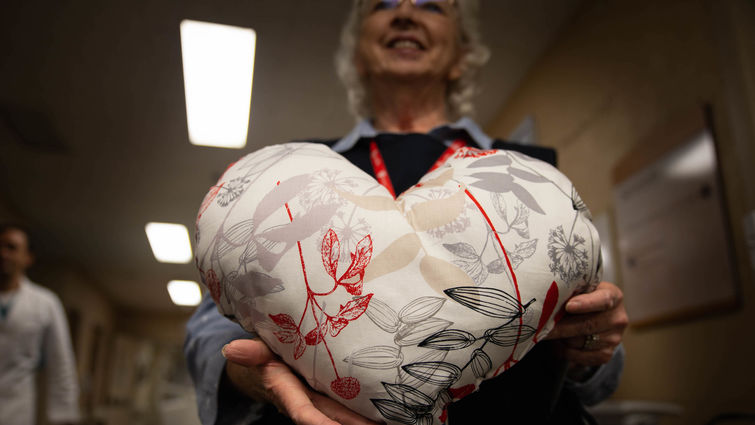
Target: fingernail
<point>574,304</point>
<point>222,351</point>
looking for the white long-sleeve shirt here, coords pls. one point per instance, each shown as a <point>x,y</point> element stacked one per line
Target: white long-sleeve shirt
<point>34,335</point>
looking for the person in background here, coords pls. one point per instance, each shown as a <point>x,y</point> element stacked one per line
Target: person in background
<point>409,68</point>
<point>33,335</point>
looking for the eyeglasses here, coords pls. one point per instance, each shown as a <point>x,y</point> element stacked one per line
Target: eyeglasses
<point>435,6</point>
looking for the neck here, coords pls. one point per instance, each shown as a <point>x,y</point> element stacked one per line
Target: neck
<point>408,107</point>
<point>9,283</point>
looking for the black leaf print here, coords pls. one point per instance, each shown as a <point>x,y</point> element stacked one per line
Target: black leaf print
<point>428,356</point>
<point>417,332</point>
<point>394,411</point>
<point>578,204</point>
<point>420,309</point>
<point>491,302</point>
<point>526,175</point>
<point>481,363</point>
<point>491,161</point>
<point>509,334</point>
<point>526,198</point>
<point>437,373</point>
<point>378,357</point>
<point>410,397</point>
<point>449,339</point>
<point>426,419</point>
<point>462,249</point>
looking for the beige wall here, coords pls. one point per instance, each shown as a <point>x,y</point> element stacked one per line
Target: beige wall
<point>619,70</point>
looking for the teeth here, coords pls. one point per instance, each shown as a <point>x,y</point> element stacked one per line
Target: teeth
<point>406,44</point>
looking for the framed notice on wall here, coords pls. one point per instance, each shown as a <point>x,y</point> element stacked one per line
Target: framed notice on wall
<point>676,257</point>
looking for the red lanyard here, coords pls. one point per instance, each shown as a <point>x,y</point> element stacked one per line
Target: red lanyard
<point>381,173</point>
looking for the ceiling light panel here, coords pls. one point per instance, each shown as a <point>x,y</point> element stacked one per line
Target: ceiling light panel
<point>184,292</point>
<point>218,65</point>
<point>169,241</point>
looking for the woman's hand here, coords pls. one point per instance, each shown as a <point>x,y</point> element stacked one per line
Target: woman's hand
<point>593,326</point>
<point>260,374</point>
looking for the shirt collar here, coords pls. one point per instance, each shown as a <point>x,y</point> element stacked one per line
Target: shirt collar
<point>365,129</point>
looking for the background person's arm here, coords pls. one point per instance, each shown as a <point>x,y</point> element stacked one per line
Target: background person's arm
<point>60,368</point>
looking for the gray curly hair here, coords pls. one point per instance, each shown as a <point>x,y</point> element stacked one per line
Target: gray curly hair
<point>460,92</point>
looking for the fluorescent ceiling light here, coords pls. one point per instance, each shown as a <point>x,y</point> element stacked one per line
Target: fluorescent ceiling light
<point>184,292</point>
<point>169,242</point>
<point>218,64</point>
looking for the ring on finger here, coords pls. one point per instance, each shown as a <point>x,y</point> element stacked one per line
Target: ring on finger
<point>591,341</point>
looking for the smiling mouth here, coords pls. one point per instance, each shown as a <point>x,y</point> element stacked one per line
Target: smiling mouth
<point>403,43</point>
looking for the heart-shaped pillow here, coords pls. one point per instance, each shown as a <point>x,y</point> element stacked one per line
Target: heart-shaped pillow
<point>395,307</point>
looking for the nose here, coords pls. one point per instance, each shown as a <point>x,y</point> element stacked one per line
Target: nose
<point>404,15</point>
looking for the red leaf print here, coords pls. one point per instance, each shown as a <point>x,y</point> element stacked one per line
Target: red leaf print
<point>353,288</point>
<point>359,259</point>
<point>337,324</point>
<point>212,282</point>
<point>287,337</point>
<point>355,308</point>
<point>284,321</point>
<point>461,392</point>
<point>551,298</point>
<point>347,387</point>
<point>299,349</point>
<point>316,335</point>
<point>331,251</point>
<point>468,152</point>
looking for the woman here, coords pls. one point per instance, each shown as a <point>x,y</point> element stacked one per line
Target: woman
<point>410,66</point>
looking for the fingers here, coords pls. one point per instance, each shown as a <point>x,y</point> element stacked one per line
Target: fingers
<point>589,358</point>
<point>608,339</point>
<point>274,381</point>
<point>248,352</point>
<point>580,325</point>
<point>284,389</point>
<point>337,411</point>
<point>605,297</point>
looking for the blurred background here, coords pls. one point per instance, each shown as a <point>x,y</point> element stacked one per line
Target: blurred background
<point>94,145</point>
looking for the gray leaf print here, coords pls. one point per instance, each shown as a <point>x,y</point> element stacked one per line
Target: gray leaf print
<point>491,161</point>
<point>523,251</point>
<point>526,198</point>
<point>475,269</point>
<point>415,333</point>
<point>420,309</point>
<point>383,315</point>
<point>463,250</point>
<point>499,203</point>
<point>377,357</point>
<point>496,266</point>
<point>526,175</point>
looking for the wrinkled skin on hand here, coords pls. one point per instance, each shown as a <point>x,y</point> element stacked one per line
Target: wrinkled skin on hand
<point>259,373</point>
<point>600,313</point>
